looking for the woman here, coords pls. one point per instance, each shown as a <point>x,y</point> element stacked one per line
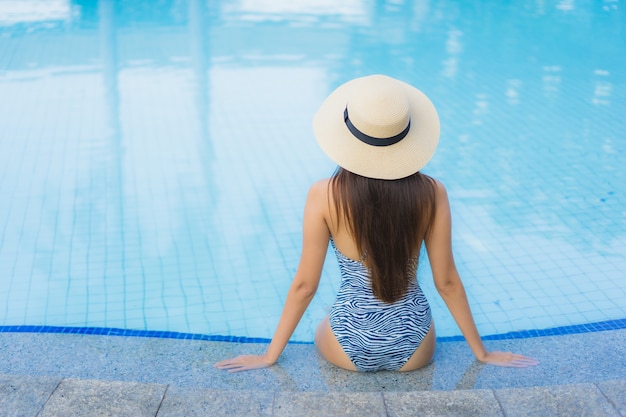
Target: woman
<point>376,211</point>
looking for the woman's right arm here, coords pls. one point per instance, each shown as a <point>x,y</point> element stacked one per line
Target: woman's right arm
<point>450,287</point>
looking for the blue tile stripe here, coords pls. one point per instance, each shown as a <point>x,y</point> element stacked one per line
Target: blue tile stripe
<point>104,331</point>
<point>555,331</point>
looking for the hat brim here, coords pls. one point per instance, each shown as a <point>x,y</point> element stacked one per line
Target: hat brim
<point>382,162</point>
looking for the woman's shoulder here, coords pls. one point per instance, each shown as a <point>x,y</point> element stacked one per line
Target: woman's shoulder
<point>440,189</point>
<point>320,187</point>
<point>317,198</point>
<point>318,192</point>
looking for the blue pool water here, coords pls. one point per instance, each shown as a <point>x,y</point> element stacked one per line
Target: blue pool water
<point>155,156</point>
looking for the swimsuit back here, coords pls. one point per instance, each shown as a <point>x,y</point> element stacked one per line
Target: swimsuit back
<point>374,334</point>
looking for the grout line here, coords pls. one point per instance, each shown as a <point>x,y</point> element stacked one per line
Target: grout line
<point>608,400</point>
<point>50,396</point>
<point>167,387</point>
<point>495,395</point>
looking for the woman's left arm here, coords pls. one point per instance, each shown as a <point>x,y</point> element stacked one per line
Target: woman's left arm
<point>303,287</point>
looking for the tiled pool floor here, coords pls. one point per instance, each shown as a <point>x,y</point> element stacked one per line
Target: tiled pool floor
<point>53,374</point>
<point>154,161</point>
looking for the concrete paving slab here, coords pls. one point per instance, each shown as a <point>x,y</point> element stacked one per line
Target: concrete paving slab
<point>615,391</point>
<point>442,403</point>
<point>181,402</point>
<point>578,358</point>
<point>555,401</point>
<point>301,383</point>
<point>93,398</point>
<point>313,404</point>
<point>106,398</point>
<point>24,396</point>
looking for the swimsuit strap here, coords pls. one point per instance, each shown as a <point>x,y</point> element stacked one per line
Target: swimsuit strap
<point>339,253</point>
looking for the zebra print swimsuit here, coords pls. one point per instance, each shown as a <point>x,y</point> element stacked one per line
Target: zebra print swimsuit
<point>376,335</point>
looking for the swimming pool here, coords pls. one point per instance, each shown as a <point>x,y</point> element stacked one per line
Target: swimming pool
<point>155,160</point>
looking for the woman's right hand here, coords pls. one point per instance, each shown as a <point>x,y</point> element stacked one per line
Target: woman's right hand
<point>508,359</point>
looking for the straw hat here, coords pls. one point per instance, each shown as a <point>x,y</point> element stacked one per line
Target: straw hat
<point>378,127</point>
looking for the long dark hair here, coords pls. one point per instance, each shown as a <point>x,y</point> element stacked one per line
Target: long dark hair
<point>388,219</point>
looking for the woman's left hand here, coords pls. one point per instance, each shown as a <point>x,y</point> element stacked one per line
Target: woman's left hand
<point>244,363</point>
<point>508,359</point>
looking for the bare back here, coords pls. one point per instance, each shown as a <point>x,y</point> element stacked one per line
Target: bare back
<point>338,229</point>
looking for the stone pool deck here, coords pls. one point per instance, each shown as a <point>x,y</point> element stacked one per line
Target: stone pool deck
<point>82,375</point>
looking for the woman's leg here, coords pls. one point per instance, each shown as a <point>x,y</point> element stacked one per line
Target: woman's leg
<point>424,352</point>
<point>330,348</point>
